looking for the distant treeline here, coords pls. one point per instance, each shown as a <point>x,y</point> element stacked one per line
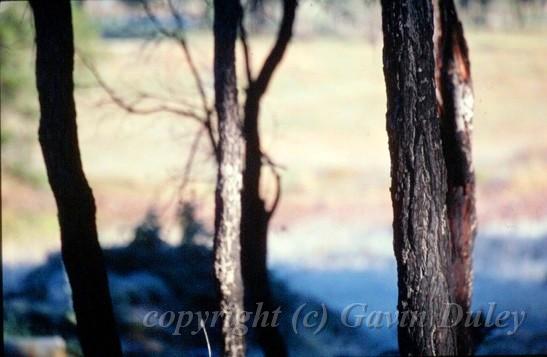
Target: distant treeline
<point>125,18</point>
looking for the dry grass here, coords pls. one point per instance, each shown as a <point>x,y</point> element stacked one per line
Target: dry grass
<point>322,119</point>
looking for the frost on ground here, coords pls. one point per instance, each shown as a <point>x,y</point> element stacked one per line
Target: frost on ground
<point>346,265</point>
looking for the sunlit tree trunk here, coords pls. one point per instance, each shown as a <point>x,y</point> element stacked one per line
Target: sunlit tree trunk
<point>455,105</point>
<point>418,179</point>
<point>229,178</point>
<point>82,255</point>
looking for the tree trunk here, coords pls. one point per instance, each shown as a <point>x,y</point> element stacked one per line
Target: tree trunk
<point>254,233</point>
<point>82,255</point>
<point>255,216</point>
<point>455,106</point>
<point>229,179</point>
<point>418,179</point>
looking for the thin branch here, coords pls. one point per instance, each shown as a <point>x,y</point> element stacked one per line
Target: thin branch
<point>208,123</point>
<point>176,15</point>
<point>181,40</point>
<point>155,21</point>
<point>149,42</point>
<point>276,54</point>
<point>246,54</point>
<point>189,162</point>
<point>196,75</point>
<point>269,161</point>
<point>277,197</point>
<point>132,106</point>
<point>178,100</point>
<point>258,87</point>
<point>275,171</point>
<point>206,118</point>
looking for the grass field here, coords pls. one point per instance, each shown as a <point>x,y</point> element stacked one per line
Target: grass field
<point>323,120</point>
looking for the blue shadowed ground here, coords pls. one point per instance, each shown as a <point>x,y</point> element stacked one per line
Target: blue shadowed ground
<point>151,275</point>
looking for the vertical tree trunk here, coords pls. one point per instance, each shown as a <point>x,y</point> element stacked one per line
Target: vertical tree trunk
<point>229,178</point>
<point>82,255</point>
<point>255,216</point>
<point>418,178</point>
<point>254,233</point>
<point>455,106</point>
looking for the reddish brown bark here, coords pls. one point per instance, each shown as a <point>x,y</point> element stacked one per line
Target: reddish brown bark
<point>455,106</point>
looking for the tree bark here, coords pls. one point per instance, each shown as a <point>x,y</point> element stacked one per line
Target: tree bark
<point>418,179</point>
<point>229,179</point>
<point>455,106</point>
<point>254,235</point>
<point>82,255</point>
<point>255,215</point>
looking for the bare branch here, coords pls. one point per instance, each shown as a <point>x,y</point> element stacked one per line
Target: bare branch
<point>246,54</point>
<point>189,162</point>
<point>181,40</point>
<point>195,73</point>
<point>149,43</point>
<point>132,106</point>
<point>208,123</point>
<point>276,54</point>
<point>178,100</point>
<point>277,196</point>
<point>203,113</point>
<point>176,15</point>
<point>275,171</point>
<point>269,161</point>
<point>156,22</point>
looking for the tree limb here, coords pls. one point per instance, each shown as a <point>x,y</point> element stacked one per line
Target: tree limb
<point>181,40</point>
<point>275,171</point>
<point>246,54</point>
<point>190,161</point>
<point>132,106</point>
<point>276,54</point>
<point>277,196</point>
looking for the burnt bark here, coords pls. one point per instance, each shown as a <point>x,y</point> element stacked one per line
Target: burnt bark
<point>82,255</point>
<point>255,216</point>
<point>418,180</point>
<point>455,106</point>
<point>229,179</point>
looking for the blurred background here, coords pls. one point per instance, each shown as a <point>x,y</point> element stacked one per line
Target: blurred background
<point>322,122</point>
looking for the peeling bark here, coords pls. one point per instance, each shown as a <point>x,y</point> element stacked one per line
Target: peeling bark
<point>418,178</point>
<point>229,179</point>
<point>455,105</point>
<point>82,255</point>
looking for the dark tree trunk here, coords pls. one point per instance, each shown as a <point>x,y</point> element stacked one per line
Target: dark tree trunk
<point>254,234</point>
<point>455,105</point>
<point>418,179</point>
<point>82,255</point>
<point>229,178</point>
<point>255,216</point>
